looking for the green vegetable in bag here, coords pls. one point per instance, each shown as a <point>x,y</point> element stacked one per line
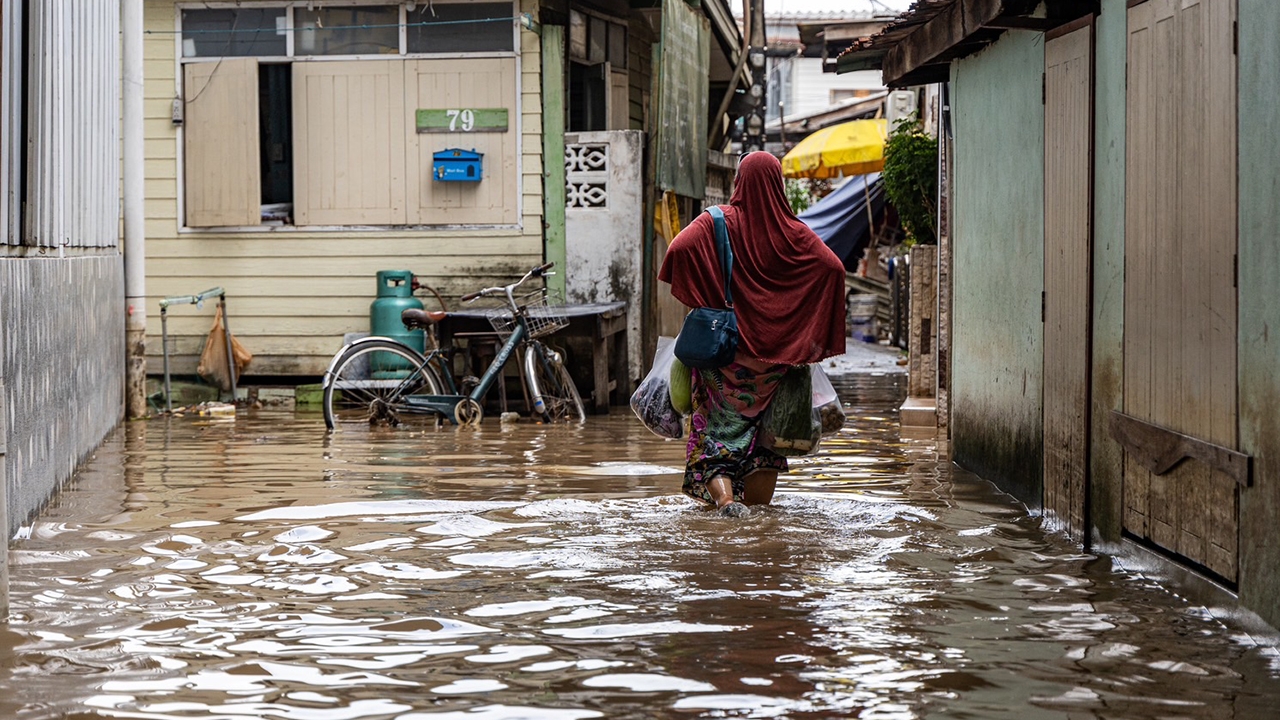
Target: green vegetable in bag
<point>789,420</point>
<point>681,387</point>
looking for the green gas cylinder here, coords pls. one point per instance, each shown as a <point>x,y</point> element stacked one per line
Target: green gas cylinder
<point>395,294</point>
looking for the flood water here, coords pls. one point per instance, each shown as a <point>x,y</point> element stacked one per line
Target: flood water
<point>257,568</point>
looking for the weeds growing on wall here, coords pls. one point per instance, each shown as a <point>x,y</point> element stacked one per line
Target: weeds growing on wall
<point>911,179</point>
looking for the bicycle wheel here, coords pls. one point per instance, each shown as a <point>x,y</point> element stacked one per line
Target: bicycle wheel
<point>354,394</point>
<point>549,381</point>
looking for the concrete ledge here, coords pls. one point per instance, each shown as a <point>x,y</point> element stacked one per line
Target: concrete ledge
<point>919,413</point>
<point>1220,602</point>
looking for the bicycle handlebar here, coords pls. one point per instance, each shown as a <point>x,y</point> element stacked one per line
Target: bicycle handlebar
<point>539,271</point>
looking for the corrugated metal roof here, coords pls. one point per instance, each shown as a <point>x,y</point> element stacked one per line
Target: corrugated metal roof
<point>920,12</point>
<point>970,25</point>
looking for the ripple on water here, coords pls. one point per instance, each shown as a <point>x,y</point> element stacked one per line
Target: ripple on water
<point>259,568</point>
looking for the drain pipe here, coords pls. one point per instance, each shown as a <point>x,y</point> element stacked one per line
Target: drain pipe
<point>134,191</point>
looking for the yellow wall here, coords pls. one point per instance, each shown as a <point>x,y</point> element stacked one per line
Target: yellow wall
<point>292,294</point>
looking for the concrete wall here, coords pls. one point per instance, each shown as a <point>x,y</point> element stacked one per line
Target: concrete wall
<point>1106,456</point>
<point>604,236</point>
<point>1259,354</point>
<point>62,362</point>
<point>999,264</point>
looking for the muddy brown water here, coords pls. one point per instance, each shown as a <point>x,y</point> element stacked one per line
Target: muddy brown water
<point>258,568</point>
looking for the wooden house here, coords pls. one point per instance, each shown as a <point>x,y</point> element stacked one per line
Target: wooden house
<point>295,149</point>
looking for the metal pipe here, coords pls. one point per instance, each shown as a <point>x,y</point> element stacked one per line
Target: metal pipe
<point>226,334</point>
<point>134,195</point>
<point>197,300</point>
<point>164,345</point>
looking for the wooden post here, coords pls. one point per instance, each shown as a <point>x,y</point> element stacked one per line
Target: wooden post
<point>553,191</point>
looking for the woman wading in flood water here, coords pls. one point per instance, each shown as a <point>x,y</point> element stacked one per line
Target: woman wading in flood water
<point>788,294</point>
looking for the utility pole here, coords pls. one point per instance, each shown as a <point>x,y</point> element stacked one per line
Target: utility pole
<point>753,124</point>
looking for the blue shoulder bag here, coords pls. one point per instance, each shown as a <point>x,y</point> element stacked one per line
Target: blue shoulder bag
<point>708,339</point>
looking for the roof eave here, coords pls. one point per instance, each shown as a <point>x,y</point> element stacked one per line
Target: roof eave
<point>939,32</point>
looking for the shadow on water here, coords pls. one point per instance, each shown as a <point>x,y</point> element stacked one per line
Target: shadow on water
<point>257,568</point>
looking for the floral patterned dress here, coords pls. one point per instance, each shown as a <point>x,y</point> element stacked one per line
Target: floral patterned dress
<point>727,404</point>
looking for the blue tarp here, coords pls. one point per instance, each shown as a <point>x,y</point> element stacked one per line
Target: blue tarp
<point>840,218</point>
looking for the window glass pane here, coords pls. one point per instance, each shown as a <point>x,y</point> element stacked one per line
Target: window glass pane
<point>596,39</point>
<point>369,30</point>
<point>233,33</point>
<point>577,36</point>
<point>618,46</point>
<point>452,27</point>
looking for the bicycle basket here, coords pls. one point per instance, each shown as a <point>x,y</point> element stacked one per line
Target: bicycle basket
<point>542,316</point>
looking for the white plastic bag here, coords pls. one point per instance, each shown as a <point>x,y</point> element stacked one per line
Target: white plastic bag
<point>826,402</point>
<point>651,402</point>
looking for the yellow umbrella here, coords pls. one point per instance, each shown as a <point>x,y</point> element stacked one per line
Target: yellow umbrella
<point>852,148</point>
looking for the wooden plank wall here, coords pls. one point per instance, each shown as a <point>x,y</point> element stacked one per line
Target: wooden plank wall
<point>293,293</point>
<point>1180,298</point>
<point>1068,117</point>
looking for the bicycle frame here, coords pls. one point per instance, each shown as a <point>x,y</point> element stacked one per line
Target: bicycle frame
<point>457,408</point>
<point>447,405</point>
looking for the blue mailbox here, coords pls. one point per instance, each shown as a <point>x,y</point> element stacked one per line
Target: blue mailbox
<point>457,165</point>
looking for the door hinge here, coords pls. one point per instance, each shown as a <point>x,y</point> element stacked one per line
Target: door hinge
<point>1041,306</point>
<point>1235,37</point>
<point>1043,88</point>
<point>1235,271</point>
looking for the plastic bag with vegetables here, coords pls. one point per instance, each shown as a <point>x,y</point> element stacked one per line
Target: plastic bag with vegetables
<point>651,402</point>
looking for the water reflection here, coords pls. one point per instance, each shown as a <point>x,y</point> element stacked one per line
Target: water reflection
<point>259,568</point>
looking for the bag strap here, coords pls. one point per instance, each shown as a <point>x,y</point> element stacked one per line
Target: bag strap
<point>724,251</point>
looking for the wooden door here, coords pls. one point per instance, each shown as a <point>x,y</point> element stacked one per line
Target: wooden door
<point>1180,295</point>
<point>1068,140</point>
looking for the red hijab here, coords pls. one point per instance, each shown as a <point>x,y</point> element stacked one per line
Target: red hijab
<point>788,287</point>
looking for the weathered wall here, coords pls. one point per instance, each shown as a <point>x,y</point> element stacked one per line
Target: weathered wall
<point>62,360</point>
<point>999,264</point>
<point>1259,258</point>
<point>1106,492</point>
<point>603,234</point>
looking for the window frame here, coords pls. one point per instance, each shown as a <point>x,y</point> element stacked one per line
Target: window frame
<point>291,57</point>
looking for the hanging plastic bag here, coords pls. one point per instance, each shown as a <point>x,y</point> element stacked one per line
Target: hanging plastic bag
<point>804,409</point>
<point>651,402</point>
<point>790,424</point>
<point>831,413</point>
<point>213,360</point>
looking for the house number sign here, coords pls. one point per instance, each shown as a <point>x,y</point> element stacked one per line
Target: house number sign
<point>464,120</point>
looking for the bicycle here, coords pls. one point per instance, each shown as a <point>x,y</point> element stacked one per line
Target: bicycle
<point>380,379</point>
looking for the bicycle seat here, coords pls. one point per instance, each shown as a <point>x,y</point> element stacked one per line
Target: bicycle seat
<point>413,318</point>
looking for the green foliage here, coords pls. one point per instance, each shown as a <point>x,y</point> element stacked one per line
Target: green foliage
<point>911,179</point>
<point>798,195</point>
